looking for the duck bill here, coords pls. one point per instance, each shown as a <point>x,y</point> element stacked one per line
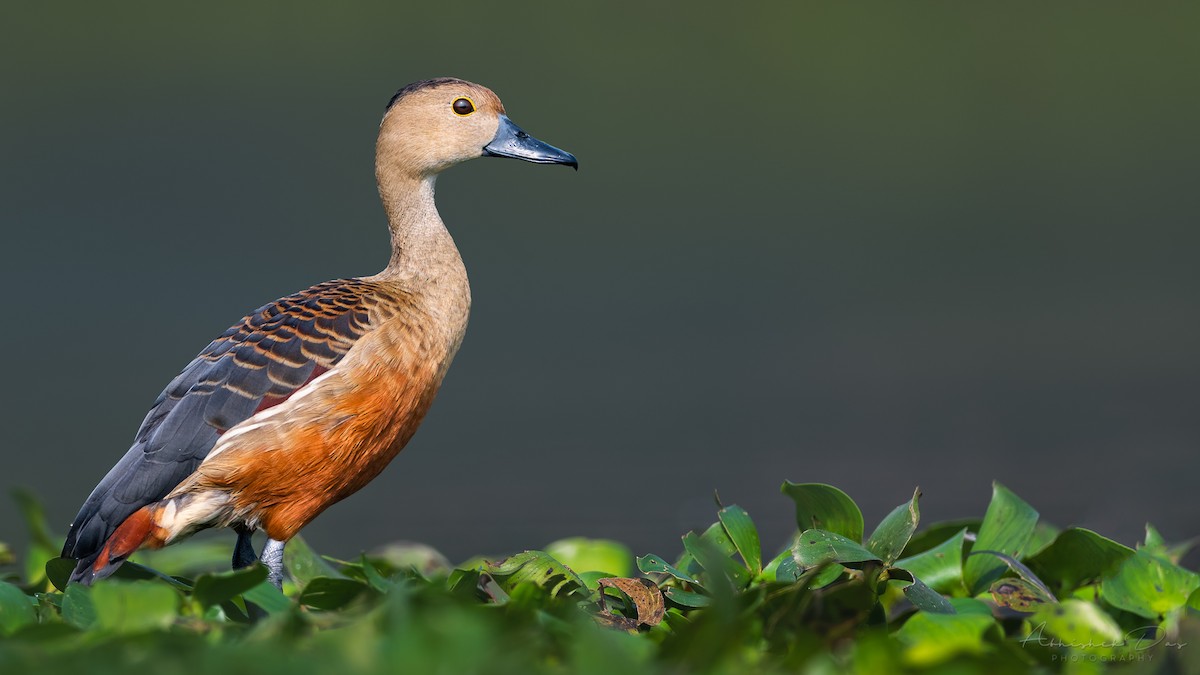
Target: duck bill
<point>512,141</point>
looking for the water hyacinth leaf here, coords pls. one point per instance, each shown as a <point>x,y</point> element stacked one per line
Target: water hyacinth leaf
<point>932,536</point>
<point>268,598</point>
<point>824,507</point>
<point>1043,535</point>
<point>1007,528</point>
<point>304,565</point>
<point>926,599</point>
<point>769,570</point>
<point>1154,540</point>
<point>213,589</point>
<point>970,606</point>
<point>591,579</point>
<point>931,638</point>
<point>373,575</point>
<point>744,534</point>
<point>58,571</point>
<point>1156,544</point>
<point>539,568</point>
<point>820,577</point>
<point>686,598</point>
<point>16,609</point>
<point>35,519</point>
<point>892,534</point>
<point>818,547</point>
<point>1149,586</point>
<point>788,570</point>
<point>716,537</point>
<point>329,593</point>
<point>645,596</point>
<point>412,556</point>
<point>652,564</point>
<point>592,555</point>
<point>1021,570</point>
<point>1018,595</point>
<point>192,557</point>
<point>134,607</point>
<point>1077,556</point>
<point>721,572</point>
<point>77,607</point>
<point>1083,625</point>
<point>939,567</point>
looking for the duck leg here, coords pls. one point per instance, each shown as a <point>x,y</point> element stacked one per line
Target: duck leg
<point>243,550</point>
<point>272,557</point>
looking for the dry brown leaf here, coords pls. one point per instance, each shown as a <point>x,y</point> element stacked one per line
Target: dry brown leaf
<point>645,595</point>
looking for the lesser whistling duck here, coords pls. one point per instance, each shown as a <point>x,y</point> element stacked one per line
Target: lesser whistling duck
<point>308,398</point>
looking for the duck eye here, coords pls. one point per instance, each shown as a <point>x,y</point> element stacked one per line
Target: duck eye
<point>463,107</point>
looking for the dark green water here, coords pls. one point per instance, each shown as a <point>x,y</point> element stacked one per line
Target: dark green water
<point>877,246</point>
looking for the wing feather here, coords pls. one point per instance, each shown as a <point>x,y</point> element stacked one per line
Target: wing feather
<point>255,364</point>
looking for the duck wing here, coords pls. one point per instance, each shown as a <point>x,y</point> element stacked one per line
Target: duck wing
<point>256,364</point>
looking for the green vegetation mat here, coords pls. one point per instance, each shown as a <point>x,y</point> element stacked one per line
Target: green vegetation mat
<point>1005,593</point>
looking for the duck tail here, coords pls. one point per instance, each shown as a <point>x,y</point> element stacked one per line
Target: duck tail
<point>138,530</point>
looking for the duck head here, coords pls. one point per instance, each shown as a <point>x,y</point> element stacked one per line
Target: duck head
<point>432,125</point>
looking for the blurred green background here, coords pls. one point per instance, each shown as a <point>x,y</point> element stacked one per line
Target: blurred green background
<point>873,245</point>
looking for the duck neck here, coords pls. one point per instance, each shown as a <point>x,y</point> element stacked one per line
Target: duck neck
<point>422,249</point>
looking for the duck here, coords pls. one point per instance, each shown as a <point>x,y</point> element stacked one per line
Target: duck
<point>308,398</point>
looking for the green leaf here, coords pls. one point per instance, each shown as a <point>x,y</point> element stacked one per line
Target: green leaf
<point>304,565</point>
<point>721,572</point>
<point>933,638</point>
<point>1158,546</point>
<point>1022,571</point>
<point>35,519</point>
<point>77,607</point>
<point>686,598</point>
<point>1019,595</point>
<point>818,547</point>
<point>131,571</point>
<point>892,535</point>
<point>788,570</point>
<point>373,576</point>
<point>540,569</point>
<point>1154,541</point>
<point>134,607</point>
<point>188,558</point>
<point>1077,556</point>
<point>58,571</point>
<point>1149,586</point>
<point>592,555</point>
<point>744,534</point>
<point>1007,528</point>
<point>824,507</point>
<point>939,567</point>
<point>36,557</point>
<point>936,534</point>
<point>1043,534</point>
<point>970,606</point>
<point>1076,624</point>
<point>823,576</point>
<point>213,589</point>
<point>926,599</point>
<point>16,609</point>
<point>266,596</point>
<point>329,593</point>
<point>652,564</point>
